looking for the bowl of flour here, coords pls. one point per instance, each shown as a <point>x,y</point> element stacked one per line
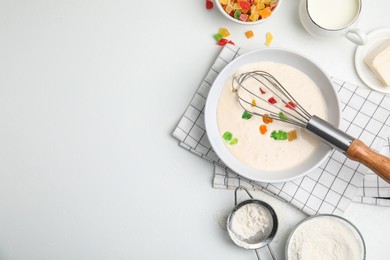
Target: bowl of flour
<point>325,237</point>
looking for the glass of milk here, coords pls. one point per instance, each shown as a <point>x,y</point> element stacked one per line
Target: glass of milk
<point>331,18</point>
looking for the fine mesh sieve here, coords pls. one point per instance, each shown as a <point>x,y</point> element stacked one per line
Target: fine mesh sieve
<point>265,233</point>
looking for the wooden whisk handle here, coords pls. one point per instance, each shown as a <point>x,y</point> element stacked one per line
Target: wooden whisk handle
<point>377,162</point>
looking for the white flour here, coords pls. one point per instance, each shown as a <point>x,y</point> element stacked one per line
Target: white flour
<point>252,221</point>
<point>324,238</point>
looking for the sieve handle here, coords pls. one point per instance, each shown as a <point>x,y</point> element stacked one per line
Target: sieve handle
<point>377,162</point>
<point>267,255</point>
<point>235,193</point>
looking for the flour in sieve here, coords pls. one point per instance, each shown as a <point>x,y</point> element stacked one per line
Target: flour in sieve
<point>324,238</point>
<point>252,221</point>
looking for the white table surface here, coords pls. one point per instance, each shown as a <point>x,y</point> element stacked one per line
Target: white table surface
<point>89,94</point>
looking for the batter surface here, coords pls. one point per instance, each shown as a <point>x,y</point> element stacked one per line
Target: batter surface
<point>261,151</point>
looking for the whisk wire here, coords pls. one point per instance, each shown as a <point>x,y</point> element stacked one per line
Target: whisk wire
<point>297,115</point>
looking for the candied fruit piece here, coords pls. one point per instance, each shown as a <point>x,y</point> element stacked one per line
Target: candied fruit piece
<point>260,6</point>
<point>222,42</point>
<point>267,119</point>
<point>237,14</point>
<point>246,115</point>
<point>254,17</point>
<point>225,32</point>
<point>209,4</point>
<point>292,135</point>
<point>282,116</point>
<point>249,34</point>
<point>272,100</point>
<point>266,12</point>
<point>244,5</point>
<point>233,141</point>
<point>263,129</point>
<point>227,136</point>
<point>229,8</point>
<point>279,135</point>
<point>223,2</point>
<point>268,38</point>
<point>290,105</point>
<point>262,91</point>
<point>243,17</point>
<point>253,103</point>
<point>231,42</point>
<point>218,36</point>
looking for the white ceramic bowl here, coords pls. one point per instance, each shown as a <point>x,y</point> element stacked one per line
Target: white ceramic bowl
<point>224,13</point>
<point>293,59</point>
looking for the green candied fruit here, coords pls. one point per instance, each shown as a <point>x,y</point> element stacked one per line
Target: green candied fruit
<point>233,141</point>
<point>218,36</point>
<point>282,135</point>
<point>246,115</point>
<point>227,136</point>
<point>279,135</point>
<point>282,116</point>
<point>237,14</point>
<point>274,135</point>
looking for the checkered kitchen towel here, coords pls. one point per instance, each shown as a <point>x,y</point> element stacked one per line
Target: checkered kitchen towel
<point>329,188</point>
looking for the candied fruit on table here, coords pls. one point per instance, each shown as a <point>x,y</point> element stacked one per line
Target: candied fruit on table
<point>209,4</point>
<point>249,10</point>
<point>268,38</point>
<point>224,32</point>
<point>222,42</point>
<point>249,34</point>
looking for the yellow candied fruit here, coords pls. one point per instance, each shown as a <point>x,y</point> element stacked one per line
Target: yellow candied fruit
<point>249,34</point>
<point>269,38</point>
<point>253,9</point>
<point>254,17</point>
<point>260,6</point>
<point>236,6</point>
<point>267,2</point>
<point>229,8</point>
<point>223,2</point>
<point>292,135</point>
<point>225,32</point>
<point>253,103</point>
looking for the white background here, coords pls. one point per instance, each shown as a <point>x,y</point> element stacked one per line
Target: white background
<point>89,94</point>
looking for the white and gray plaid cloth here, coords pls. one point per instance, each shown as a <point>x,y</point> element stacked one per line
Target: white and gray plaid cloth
<point>329,188</point>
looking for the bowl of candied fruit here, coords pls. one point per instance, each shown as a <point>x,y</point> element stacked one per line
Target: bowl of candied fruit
<point>248,12</point>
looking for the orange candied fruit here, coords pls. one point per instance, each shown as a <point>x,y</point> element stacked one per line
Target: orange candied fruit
<point>263,129</point>
<point>266,12</point>
<point>292,135</point>
<point>249,34</point>
<point>267,119</point>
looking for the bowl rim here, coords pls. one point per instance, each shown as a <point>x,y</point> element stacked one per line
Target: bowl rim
<point>303,221</point>
<point>211,116</point>
<point>219,7</point>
